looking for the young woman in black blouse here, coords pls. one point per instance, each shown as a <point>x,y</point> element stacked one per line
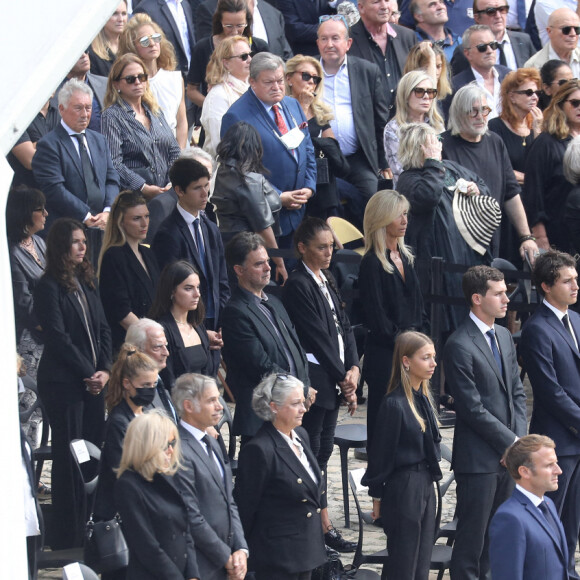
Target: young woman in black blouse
<point>404,460</point>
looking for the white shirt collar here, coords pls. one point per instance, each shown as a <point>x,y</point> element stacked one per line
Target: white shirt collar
<point>555,310</point>
<point>483,327</point>
<point>188,217</point>
<point>505,39</point>
<point>69,130</point>
<point>575,57</point>
<point>341,68</point>
<point>480,79</point>
<point>320,281</point>
<point>531,496</point>
<point>197,433</point>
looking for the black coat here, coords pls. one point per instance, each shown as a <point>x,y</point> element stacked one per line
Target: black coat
<point>310,312</point>
<point>125,286</point>
<point>279,503</point>
<point>155,527</point>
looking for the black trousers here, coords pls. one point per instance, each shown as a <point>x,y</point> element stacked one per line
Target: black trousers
<point>478,497</point>
<point>408,514</point>
<point>281,575</point>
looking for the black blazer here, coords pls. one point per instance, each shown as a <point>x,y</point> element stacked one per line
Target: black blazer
<point>174,241</point>
<point>125,286</point>
<point>160,207</point>
<point>155,526</point>
<point>490,408</point>
<point>252,350</point>
<point>177,363</point>
<point>214,520</point>
<point>279,503</point>
<point>310,312</point>
<point>67,355</point>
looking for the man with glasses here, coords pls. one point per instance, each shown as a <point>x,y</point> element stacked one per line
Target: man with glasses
<point>469,143</point>
<point>514,49</point>
<point>543,9</point>
<point>563,31</point>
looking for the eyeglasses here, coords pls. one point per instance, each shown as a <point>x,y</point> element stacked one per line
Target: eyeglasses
<point>562,82</point>
<point>236,26</point>
<point>420,92</point>
<point>528,93</point>
<point>574,102</point>
<point>132,79</point>
<point>171,444</point>
<point>280,377</point>
<point>335,17</point>
<point>307,77</point>
<point>494,45</point>
<point>243,57</point>
<point>566,30</point>
<point>475,111</point>
<point>145,41</point>
<point>492,11</point>
<point>40,209</point>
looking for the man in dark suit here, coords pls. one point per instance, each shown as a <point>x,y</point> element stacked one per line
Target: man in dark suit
<point>288,150</point>
<point>550,352</point>
<point>259,337</point>
<point>526,537</point>
<point>271,19</point>
<point>72,164</point>
<point>206,482</point>
<point>482,374</point>
<point>355,90</point>
<point>514,49</point>
<point>176,21</point>
<point>187,234</point>
<point>386,45</point>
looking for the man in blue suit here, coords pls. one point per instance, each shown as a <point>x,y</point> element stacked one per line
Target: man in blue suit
<point>549,349</point>
<point>526,536</point>
<point>288,150</point>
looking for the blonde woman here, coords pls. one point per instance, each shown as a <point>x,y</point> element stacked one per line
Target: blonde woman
<point>104,48</point>
<point>154,516</point>
<point>145,38</point>
<point>431,59</point>
<point>390,292</point>
<point>404,460</point>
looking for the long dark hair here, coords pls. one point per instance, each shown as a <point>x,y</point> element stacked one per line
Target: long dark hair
<point>243,144</point>
<point>171,277</point>
<point>21,203</point>
<point>58,262</point>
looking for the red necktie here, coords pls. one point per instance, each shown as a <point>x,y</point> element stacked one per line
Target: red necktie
<point>280,123</point>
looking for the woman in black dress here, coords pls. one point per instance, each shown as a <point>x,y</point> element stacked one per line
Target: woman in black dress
<point>389,292</point>
<point>554,74</point>
<point>128,270</point>
<point>179,309</point>
<point>105,46</point>
<point>404,460</point>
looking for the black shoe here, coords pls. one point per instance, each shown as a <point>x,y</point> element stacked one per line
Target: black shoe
<point>333,539</point>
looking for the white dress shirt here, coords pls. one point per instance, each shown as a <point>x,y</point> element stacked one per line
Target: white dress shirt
<point>493,100</point>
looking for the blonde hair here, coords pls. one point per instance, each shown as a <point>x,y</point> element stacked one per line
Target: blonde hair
<point>417,59</point>
<point>322,111</point>
<point>112,97</point>
<point>166,59</point>
<point>404,90</point>
<point>407,344</point>
<point>145,444</point>
<point>412,138</point>
<point>216,71</point>
<point>555,119</point>
<point>382,209</point>
<point>100,44</point>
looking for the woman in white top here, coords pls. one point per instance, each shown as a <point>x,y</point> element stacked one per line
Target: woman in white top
<point>227,75</point>
<point>144,38</point>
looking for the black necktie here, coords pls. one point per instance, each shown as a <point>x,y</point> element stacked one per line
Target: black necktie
<point>212,458</point>
<point>566,323</point>
<point>199,244</point>
<point>94,195</point>
<point>543,507</point>
<point>494,349</point>
<point>502,59</point>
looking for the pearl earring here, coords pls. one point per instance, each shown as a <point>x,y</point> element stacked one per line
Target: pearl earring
<point>406,369</point>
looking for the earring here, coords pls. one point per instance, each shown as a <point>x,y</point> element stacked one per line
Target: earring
<point>119,91</point>
<point>406,369</point>
<point>289,85</point>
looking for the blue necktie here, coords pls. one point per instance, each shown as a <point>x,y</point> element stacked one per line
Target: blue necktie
<point>494,349</point>
<point>543,507</point>
<point>199,244</point>
<point>521,10</point>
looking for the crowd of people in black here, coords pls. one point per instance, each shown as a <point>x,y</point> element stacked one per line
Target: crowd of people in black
<point>189,140</point>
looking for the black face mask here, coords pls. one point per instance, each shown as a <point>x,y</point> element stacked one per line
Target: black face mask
<point>144,396</point>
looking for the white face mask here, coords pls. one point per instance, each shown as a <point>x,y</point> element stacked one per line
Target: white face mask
<point>292,139</point>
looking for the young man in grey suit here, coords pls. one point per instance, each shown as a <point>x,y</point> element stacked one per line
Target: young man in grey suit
<point>206,483</point>
<point>482,374</point>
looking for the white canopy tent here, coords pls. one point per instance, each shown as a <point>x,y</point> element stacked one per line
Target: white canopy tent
<point>40,42</point>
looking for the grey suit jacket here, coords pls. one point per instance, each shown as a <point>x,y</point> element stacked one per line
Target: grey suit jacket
<point>490,408</point>
<point>214,521</point>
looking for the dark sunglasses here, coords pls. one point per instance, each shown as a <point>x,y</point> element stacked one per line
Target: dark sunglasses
<point>420,93</point>
<point>492,11</point>
<point>574,102</point>
<point>243,57</point>
<point>171,444</point>
<point>131,79</point>
<point>566,30</point>
<point>494,45</point>
<point>528,93</point>
<point>562,82</point>
<point>145,41</point>
<point>306,77</point>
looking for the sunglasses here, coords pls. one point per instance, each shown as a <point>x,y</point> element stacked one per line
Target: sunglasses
<point>335,17</point>
<point>566,30</point>
<point>307,77</point>
<point>562,82</point>
<point>145,41</point>
<point>494,45</point>
<point>528,93</point>
<point>171,444</point>
<point>420,93</point>
<point>475,111</point>
<point>574,102</point>
<point>131,79</point>
<point>243,57</point>
<point>493,11</point>
<point>240,27</point>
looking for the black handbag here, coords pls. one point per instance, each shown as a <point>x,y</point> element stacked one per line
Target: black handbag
<point>322,170</point>
<point>105,546</point>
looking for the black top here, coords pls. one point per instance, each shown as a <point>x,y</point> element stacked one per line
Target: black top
<point>517,146</point>
<point>196,357</point>
<point>545,187</point>
<point>100,66</point>
<point>398,441</point>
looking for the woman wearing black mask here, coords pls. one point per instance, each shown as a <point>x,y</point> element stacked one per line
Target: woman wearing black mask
<point>131,389</point>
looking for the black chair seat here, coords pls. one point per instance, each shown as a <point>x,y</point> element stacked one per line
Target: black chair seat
<point>59,558</point>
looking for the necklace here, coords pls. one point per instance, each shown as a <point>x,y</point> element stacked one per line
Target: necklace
<point>29,246</point>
